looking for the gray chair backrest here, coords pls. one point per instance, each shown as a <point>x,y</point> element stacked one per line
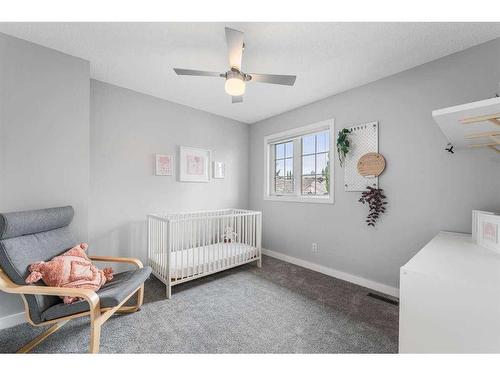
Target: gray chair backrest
<point>31,236</point>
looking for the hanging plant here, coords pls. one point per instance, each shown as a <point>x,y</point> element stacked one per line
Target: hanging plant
<point>376,202</point>
<point>343,145</point>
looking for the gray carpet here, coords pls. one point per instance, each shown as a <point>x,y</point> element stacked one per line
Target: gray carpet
<point>280,308</point>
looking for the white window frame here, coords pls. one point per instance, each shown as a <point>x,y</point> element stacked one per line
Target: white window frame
<point>295,134</point>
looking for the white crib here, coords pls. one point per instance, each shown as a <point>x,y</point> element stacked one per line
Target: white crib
<point>186,246</point>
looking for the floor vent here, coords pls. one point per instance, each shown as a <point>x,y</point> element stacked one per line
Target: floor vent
<point>382,298</point>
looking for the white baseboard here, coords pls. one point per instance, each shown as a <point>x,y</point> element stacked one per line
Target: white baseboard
<point>386,289</point>
<point>12,320</point>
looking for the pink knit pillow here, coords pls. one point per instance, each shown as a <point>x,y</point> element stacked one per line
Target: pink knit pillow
<point>73,269</point>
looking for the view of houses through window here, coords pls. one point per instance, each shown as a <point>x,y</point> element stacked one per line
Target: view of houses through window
<point>313,163</point>
<point>283,180</point>
<point>316,164</point>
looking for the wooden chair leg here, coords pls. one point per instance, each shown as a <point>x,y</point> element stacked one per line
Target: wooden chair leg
<point>95,326</point>
<point>137,306</point>
<point>40,338</point>
<point>95,336</point>
<point>140,297</point>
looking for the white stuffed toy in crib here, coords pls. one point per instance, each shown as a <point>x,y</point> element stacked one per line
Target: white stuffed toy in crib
<point>229,235</point>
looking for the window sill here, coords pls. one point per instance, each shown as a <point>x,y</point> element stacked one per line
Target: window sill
<point>301,199</point>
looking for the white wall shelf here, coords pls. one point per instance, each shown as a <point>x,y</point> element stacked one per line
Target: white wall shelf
<point>471,125</point>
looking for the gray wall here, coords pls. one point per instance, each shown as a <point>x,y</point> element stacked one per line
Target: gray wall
<point>44,134</point>
<point>428,189</point>
<point>126,130</point>
<point>44,159</point>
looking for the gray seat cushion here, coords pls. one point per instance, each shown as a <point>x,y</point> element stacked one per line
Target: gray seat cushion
<point>111,294</point>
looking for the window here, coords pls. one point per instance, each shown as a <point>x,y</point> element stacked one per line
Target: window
<point>283,168</point>
<point>316,164</point>
<point>298,164</point>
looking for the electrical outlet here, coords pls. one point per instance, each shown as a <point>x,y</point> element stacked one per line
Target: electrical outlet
<point>314,247</point>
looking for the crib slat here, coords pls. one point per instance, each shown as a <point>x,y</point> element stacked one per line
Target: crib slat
<point>219,223</point>
<point>251,236</point>
<point>190,273</point>
<point>204,239</point>
<point>160,245</point>
<point>194,245</point>
<point>242,239</point>
<point>232,245</point>
<point>207,243</point>
<point>254,244</point>
<point>167,250</point>
<point>164,246</point>
<point>254,222</point>
<point>157,250</point>
<point>244,248</point>
<point>177,250</point>
<point>223,245</point>
<point>198,245</point>
<point>183,246</point>
<point>237,239</point>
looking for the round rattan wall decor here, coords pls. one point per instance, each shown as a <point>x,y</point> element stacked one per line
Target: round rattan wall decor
<point>371,164</point>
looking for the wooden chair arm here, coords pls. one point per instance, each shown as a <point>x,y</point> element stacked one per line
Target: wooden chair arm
<point>8,286</point>
<point>102,258</point>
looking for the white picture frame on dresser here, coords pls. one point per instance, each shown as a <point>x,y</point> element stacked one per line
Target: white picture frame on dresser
<point>488,228</point>
<point>475,222</point>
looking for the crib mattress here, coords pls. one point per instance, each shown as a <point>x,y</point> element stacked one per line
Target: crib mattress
<point>193,261</point>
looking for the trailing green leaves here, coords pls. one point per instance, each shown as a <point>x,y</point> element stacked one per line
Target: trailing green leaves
<point>343,144</point>
<point>376,201</point>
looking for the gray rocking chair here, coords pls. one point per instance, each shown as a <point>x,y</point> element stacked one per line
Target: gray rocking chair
<point>31,236</point>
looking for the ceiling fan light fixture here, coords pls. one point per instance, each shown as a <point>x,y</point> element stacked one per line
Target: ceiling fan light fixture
<point>236,80</point>
<point>235,86</point>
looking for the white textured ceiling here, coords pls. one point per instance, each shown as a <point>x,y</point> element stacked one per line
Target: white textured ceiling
<point>327,58</point>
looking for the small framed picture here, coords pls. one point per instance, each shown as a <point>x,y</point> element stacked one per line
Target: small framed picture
<point>475,222</point>
<point>219,169</point>
<point>164,165</point>
<point>488,231</point>
<point>194,164</point>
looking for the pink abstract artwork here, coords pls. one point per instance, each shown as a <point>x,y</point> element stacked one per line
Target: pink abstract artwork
<point>195,165</point>
<point>490,232</point>
<point>164,165</point>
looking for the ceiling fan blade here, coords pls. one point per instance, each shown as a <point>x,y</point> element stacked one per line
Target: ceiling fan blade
<point>237,99</point>
<point>234,39</point>
<point>189,72</point>
<point>273,78</point>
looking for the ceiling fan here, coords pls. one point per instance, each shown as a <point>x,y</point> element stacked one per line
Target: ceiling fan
<point>235,79</point>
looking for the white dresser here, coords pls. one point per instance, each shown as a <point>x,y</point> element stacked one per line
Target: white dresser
<point>450,298</point>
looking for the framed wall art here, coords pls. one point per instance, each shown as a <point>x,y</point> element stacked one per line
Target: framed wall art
<point>164,165</point>
<point>194,164</point>
<point>488,231</point>
<point>219,169</point>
